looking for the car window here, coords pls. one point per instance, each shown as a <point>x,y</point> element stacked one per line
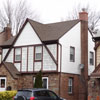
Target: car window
<point>24,93</point>
<point>41,94</point>
<point>52,95</point>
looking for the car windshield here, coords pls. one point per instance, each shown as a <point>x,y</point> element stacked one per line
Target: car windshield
<point>24,93</point>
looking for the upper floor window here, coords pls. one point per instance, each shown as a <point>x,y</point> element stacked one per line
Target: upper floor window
<point>17,54</point>
<point>72,54</point>
<point>70,85</point>
<point>91,58</point>
<point>38,53</point>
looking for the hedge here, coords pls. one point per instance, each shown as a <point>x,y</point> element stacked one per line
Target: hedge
<point>7,95</point>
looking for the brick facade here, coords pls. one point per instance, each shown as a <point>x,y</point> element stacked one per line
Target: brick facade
<point>94,88</point>
<point>56,82</point>
<point>10,80</point>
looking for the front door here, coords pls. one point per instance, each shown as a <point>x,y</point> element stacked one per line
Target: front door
<point>2,83</point>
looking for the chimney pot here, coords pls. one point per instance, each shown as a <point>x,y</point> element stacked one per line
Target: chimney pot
<point>83,16</point>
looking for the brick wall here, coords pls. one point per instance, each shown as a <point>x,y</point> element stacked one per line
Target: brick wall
<point>10,80</point>
<point>94,88</point>
<point>64,87</point>
<point>56,81</point>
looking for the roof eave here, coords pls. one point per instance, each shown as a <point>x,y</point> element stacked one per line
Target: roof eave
<point>50,42</point>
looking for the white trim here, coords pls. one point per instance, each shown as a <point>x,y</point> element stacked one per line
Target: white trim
<point>46,79</point>
<point>3,89</point>
<point>42,80</point>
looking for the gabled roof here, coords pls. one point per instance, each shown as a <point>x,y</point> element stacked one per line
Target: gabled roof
<point>8,43</point>
<point>46,32</point>
<point>12,69</point>
<point>96,72</point>
<point>53,31</point>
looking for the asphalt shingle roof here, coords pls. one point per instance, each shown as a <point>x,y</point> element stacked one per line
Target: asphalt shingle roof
<point>46,32</point>
<point>12,69</point>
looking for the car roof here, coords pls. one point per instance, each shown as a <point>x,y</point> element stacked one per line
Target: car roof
<point>34,89</point>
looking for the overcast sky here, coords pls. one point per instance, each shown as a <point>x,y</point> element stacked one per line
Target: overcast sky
<point>56,10</point>
<point>50,11</point>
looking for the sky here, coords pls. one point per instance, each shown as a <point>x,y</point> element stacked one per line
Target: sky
<point>48,11</point>
<point>57,10</point>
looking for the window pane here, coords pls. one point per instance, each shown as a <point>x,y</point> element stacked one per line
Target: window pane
<point>38,56</point>
<point>70,85</point>
<point>91,58</point>
<point>53,96</point>
<point>41,94</point>
<point>45,83</point>
<point>72,54</point>
<point>38,53</point>
<point>2,83</point>
<point>17,54</point>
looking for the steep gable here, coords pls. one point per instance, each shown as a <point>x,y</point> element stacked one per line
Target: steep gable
<point>53,31</point>
<point>28,36</point>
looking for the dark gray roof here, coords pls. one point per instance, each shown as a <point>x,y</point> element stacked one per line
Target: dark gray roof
<point>8,42</point>
<point>46,32</point>
<point>53,31</point>
<point>12,69</point>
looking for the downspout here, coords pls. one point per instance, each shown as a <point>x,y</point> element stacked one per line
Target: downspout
<point>60,69</point>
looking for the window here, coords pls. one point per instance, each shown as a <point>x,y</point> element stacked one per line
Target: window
<point>91,58</point>
<point>72,54</point>
<point>2,82</point>
<point>70,85</point>
<point>17,54</point>
<point>38,53</point>
<point>45,82</point>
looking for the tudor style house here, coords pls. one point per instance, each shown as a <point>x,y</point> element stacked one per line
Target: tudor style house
<point>63,51</point>
<point>94,83</point>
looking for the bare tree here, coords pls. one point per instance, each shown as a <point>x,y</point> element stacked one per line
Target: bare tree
<point>93,16</point>
<point>15,15</point>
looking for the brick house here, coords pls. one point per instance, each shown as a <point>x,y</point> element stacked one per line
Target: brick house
<point>61,50</point>
<point>94,82</point>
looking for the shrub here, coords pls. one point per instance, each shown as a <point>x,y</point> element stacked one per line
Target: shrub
<point>38,80</point>
<point>7,95</point>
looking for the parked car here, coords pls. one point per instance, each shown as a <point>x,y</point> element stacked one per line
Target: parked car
<point>36,94</point>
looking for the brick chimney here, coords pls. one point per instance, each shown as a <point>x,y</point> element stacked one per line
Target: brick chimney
<point>7,31</point>
<point>83,17</point>
<point>4,36</point>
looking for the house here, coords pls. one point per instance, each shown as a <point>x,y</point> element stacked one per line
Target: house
<point>63,51</point>
<point>94,83</point>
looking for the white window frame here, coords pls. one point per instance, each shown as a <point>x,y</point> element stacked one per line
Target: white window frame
<point>70,84</point>
<point>46,79</point>
<point>17,54</point>
<point>5,83</point>
<point>38,52</point>
<point>42,81</point>
<point>72,53</point>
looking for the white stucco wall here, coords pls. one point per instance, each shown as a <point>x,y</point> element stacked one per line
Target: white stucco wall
<point>53,50</point>
<point>10,58</point>
<point>4,52</point>
<point>91,46</point>
<point>30,58</point>
<point>48,63</point>
<point>27,36</point>
<point>24,59</point>
<point>71,38</point>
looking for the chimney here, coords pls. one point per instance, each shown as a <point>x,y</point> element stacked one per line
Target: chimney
<point>4,36</point>
<point>83,17</point>
<point>7,31</point>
